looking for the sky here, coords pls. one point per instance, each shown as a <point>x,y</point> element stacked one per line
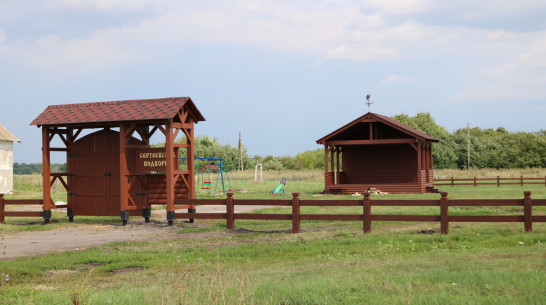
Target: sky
<point>283,73</point>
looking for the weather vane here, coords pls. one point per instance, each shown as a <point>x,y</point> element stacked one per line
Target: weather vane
<point>368,102</point>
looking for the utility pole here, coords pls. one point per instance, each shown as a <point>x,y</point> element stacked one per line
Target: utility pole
<point>241,167</point>
<point>468,146</point>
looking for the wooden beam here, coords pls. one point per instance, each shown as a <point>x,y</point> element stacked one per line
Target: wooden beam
<point>123,191</point>
<point>169,175</point>
<point>46,170</point>
<point>367,142</point>
<point>183,125</point>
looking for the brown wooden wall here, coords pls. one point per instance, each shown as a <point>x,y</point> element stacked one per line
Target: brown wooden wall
<point>155,189</point>
<point>379,164</point>
<point>93,175</point>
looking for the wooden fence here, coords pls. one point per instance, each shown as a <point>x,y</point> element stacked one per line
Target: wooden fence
<point>367,217</point>
<point>489,181</point>
<point>4,213</point>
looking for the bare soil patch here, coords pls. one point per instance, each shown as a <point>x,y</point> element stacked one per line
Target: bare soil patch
<point>81,236</point>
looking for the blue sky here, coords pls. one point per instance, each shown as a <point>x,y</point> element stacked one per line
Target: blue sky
<point>284,73</point>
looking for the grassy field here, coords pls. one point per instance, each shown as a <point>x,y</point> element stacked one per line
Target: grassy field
<point>330,262</point>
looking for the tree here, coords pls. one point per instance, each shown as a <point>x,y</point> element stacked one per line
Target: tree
<point>443,152</point>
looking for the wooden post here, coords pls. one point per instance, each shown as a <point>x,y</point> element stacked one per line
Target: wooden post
<point>521,177</point>
<point>474,181</point>
<point>169,172</point>
<point>444,221</point>
<point>367,212</point>
<point>46,174</point>
<point>452,181</point>
<point>325,165</point>
<point>230,209</point>
<point>528,211</point>
<point>498,181</point>
<point>295,212</point>
<point>2,206</point>
<point>123,191</point>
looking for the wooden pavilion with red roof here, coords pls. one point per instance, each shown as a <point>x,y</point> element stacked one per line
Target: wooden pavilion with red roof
<point>377,152</point>
<point>114,171</point>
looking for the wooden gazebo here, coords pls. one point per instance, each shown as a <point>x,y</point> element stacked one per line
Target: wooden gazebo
<point>377,152</point>
<point>114,171</point>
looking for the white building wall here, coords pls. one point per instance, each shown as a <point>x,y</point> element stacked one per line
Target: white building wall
<point>6,167</point>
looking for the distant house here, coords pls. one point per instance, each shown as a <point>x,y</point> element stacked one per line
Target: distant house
<point>6,160</point>
<point>377,152</point>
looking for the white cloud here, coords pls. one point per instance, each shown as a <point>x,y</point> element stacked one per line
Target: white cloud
<point>318,29</point>
<point>395,78</point>
<point>397,7</point>
<point>104,5</point>
<point>521,76</point>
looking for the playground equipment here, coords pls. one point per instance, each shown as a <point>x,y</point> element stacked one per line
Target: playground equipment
<point>210,166</point>
<point>279,188</point>
<point>256,173</point>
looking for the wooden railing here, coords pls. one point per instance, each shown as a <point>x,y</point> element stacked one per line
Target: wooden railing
<point>489,181</point>
<point>367,217</point>
<point>4,213</point>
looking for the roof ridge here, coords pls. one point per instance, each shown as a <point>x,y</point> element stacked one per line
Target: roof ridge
<point>77,105</point>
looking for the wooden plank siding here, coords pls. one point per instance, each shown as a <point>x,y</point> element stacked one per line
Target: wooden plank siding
<point>379,164</point>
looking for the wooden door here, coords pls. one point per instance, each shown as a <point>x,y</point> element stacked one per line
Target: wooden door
<point>94,181</point>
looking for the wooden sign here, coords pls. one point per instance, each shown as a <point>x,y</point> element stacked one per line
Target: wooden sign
<point>150,159</point>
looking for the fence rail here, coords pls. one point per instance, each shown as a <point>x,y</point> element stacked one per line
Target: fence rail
<point>498,181</point>
<point>4,213</point>
<point>367,217</point>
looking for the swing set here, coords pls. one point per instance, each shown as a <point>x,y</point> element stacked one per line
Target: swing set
<point>208,167</point>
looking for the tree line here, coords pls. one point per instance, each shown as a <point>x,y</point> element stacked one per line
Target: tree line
<point>489,148</point>
<point>36,168</point>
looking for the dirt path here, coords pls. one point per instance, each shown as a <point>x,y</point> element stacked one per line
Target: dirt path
<point>81,236</point>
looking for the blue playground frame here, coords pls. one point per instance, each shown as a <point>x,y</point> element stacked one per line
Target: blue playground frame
<point>218,162</point>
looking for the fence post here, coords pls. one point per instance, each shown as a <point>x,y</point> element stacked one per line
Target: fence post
<point>366,212</point>
<point>528,211</point>
<point>444,221</point>
<point>498,181</point>
<point>295,212</point>
<point>521,180</point>
<point>452,181</point>
<point>2,206</point>
<point>474,181</point>
<point>229,211</point>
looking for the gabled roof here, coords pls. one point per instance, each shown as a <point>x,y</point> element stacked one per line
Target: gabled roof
<point>6,135</point>
<point>374,117</point>
<point>115,111</point>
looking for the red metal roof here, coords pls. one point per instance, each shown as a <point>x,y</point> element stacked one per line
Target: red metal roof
<point>383,119</point>
<point>129,110</point>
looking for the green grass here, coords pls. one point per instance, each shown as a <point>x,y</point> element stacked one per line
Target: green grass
<point>490,265</point>
<point>330,262</point>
